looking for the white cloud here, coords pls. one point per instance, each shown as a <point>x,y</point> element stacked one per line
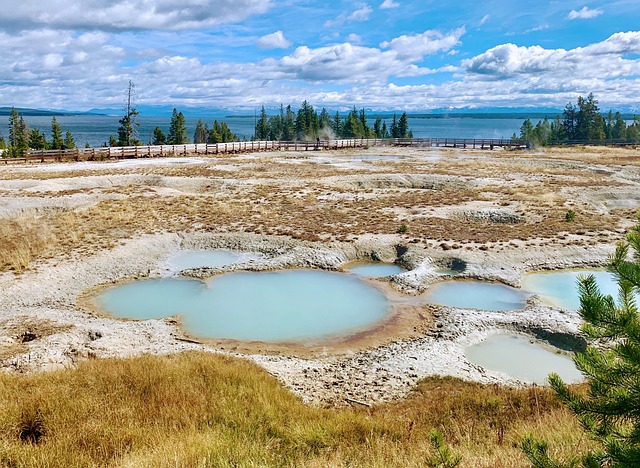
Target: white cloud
<point>585,13</point>
<point>389,4</point>
<point>484,19</point>
<point>126,14</point>
<point>427,43</point>
<point>602,59</point>
<point>362,13</point>
<point>274,40</point>
<point>354,39</point>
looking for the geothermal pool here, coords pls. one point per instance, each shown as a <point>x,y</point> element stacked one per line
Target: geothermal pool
<point>475,295</point>
<point>560,288</point>
<point>375,270</point>
<point>294,305</point>
<point>517,357</point>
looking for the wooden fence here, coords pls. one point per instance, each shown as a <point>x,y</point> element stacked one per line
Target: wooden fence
<point>130,152</point>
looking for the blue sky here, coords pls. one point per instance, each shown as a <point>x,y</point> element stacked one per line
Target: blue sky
<point>387,54</point>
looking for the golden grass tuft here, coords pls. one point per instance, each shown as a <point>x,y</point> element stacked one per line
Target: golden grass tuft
<point>23,239</point>
<point>198,409</point>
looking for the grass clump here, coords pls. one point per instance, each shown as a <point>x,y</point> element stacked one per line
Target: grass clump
<point>198,409</point>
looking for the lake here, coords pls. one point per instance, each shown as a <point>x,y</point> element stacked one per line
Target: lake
<point>95,129</point>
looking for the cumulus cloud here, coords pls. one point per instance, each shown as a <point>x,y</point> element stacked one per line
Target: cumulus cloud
<point>274,40</point>
<point>427,43</point>
<point>602,59</point>
<point>584,13</point>
<point>362,13</point>
<point>126,14</point>
<point>389,4</point>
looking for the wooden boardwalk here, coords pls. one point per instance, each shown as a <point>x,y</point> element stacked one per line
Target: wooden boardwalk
<point>131,152</point>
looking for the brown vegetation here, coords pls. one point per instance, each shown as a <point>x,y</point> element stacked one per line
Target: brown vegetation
<point>206,410</point>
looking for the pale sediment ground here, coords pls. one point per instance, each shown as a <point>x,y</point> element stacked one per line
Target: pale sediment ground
<point>499,214</point>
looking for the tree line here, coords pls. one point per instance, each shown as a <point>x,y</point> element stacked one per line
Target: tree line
<point>176,135</point>
<point>308,124</point>
<point>581,122</point>
<point>22,138</point>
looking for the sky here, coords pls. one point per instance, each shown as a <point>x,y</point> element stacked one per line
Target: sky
<point>383,55</point>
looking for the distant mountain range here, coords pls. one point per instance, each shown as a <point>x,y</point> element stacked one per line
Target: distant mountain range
<point>220,113</point>
<point>26,112</point>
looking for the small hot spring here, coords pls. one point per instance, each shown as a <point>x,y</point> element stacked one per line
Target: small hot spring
<point>209,258</point>
<point>560,288</point>
<point>520,359</point>
<point>375,269</point>
<point>292,305</point>
<point>475,295</point>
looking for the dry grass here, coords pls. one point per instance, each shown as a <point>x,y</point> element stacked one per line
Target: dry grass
<point>23,239</point>
<point>205,410</point>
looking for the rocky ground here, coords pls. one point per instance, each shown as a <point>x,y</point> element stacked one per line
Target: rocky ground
<point>495,215</point>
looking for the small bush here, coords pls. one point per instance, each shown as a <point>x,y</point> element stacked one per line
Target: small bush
<point>570,217</point>
<point>403,229</point>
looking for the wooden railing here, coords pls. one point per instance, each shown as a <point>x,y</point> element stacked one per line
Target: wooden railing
<point>129,152</point>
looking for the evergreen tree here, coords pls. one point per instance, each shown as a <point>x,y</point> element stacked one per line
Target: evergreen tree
<point>178,134</point>
<point>159,138</point>
<point>609,409</point>
<point>337,125</point>
<point>403,126</point>
<point>127,132</point>
<point>384,132</point>
<point>220,133</point>
<point>37,140</point>
<point>201,133</point>
<point>306,122</point>
<point>394,127</point>
<point>570,121</point>
<point>619,130</point>
<point>289,125</point>
<point>56,134</point>
<point>262,126</point>
<point>377,127</point>
<point>69,142</point>
<point>18,135</point>
<point>113,141</point>
<point>3,143</point>
<point>633,130</point>
<point>324,120</point>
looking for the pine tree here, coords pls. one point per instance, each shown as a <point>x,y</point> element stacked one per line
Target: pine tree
<point>18,135</point>
<point>56,134</point>
<point>261,131</point>
<point>69,142</point>
<point>201,133</point>
<point>403,126</point>
<point>178,134</point>
<point>159,138</point>
<point>37,140</point>
<point>609,410</point>
<point>394,127</point>
<point>337,124</point>
<point>127,132</point>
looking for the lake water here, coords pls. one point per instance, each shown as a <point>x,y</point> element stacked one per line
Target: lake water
<point>95,129</point>
<point>521,359</point>
<point>559,288</point>
<point>475,295</point>
<point>375,270</point>
<point>293,305</point>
